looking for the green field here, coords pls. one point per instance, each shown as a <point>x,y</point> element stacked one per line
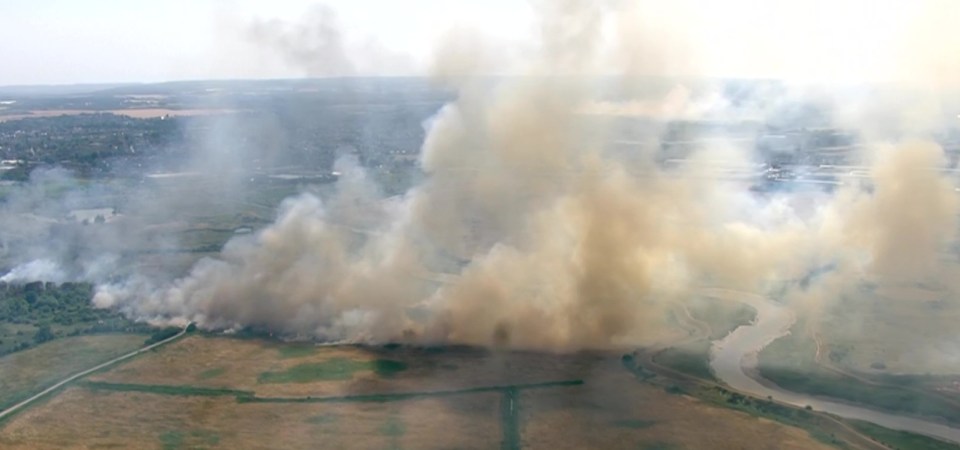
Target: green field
<point>297,350</point>
<point>900,439</point>
<point>173,440</point>
<point>691,359</point>
<point>890,398</point>
<point>332,369</point>
<point>790,363</point>
<point>212,373</point>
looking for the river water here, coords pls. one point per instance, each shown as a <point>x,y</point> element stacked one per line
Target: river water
<point>734,357</point>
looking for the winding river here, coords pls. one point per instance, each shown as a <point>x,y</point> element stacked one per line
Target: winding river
<point>734,358</point>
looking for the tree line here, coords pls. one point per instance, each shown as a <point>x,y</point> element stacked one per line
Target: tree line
<point>37,312</point>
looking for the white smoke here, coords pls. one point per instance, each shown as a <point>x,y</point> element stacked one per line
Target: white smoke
<point>528,232</point>
<point>38,269</point>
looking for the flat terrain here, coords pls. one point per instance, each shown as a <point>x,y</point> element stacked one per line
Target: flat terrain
<point>143,113</point>
<point>81,418</point>
<point>600,416</point>
<point>214,392</point>
<point>28,371</point>
<point>903,329</point>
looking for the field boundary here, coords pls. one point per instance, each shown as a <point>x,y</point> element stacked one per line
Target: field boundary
<point>509,401</point>
<point>5,414</point>
<point>243,396</point>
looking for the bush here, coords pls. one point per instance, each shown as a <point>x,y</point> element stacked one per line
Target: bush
<point>161,334</point>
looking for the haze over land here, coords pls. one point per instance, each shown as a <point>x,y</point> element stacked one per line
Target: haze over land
<point>539,220</point>
<point>530,228</point>
<point>635,224</point>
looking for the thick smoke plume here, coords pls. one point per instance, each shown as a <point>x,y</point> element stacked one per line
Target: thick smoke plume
<point>530,230</point>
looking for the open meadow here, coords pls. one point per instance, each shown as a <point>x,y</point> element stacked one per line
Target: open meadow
<point>218,392</point>
<point>27,371</point>
<point>899,329</point>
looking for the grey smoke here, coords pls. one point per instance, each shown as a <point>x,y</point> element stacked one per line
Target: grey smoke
<point>316,44</point>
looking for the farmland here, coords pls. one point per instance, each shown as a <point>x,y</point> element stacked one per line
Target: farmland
<point>26,372</point>
<point>218,392</point>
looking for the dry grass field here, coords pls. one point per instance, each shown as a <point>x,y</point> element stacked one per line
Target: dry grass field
<point>125,408</point>
<point>28,371</point>
<point>240,364</point>
<point>80,418</point>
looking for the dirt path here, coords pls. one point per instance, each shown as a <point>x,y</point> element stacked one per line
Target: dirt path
<point>15,408</point>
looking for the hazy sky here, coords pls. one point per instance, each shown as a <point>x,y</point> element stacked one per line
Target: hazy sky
<point>82,41</point>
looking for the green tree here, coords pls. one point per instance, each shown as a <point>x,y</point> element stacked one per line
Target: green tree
<point>44,334</point>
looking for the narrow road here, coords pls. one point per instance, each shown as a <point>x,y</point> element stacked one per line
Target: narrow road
<point>733,360</point>
<point>852,436</point>
<point>510,419</point>
<point>13,409</point>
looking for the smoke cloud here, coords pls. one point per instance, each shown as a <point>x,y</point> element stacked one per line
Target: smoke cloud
<point>910,215</point>
<point>530,230</point>
<point>317,45</point>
